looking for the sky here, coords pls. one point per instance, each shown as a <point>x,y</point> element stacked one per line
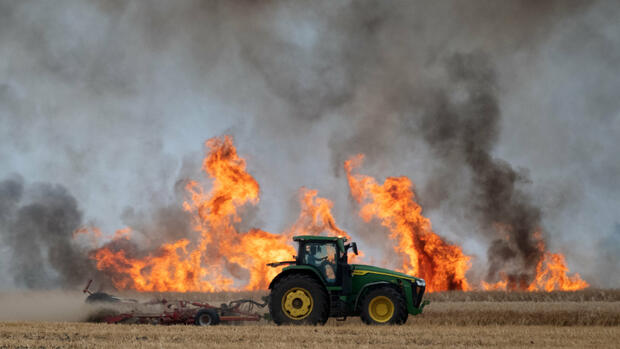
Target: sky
<point>113,100</point>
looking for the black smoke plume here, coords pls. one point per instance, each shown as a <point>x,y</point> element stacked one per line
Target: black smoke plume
<point>37,223</point>
<point>463,128</point>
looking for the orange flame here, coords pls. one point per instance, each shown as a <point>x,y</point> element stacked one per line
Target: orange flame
<point>424,253</point>
<point>501,285</point>
<point>315,217</point>
<point>222,255</point>
<point>223,258</point>
<point>551,274</point>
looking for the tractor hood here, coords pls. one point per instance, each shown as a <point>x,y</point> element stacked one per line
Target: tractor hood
<point>361,269</point>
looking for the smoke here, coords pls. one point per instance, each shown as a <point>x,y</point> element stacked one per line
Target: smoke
<point>610,256</point>
<point>37,225</point>
<point>502,114</point>
<point>455,108</point>
<point>43,306</point>
<point>464,130</point>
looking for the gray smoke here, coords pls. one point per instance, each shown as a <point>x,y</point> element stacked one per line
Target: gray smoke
<point>609,249</point>
<point>37,225</point>
<point>456,109</point>
<point>464,133</point>
<point>498,112</point>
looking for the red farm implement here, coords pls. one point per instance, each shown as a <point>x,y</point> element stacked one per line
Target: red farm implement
<point>170,312</point>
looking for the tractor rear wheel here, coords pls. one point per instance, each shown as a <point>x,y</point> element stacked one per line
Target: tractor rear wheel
<point>298,299</point>
<point>206,317</point>
<point>384,306</point>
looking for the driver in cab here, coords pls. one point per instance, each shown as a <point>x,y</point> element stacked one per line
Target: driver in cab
<point>321,257</point>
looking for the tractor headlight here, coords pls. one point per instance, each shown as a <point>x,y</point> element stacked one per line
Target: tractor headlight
<point>420,282</point>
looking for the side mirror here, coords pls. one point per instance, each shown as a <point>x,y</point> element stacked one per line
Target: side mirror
<point>354,246</point>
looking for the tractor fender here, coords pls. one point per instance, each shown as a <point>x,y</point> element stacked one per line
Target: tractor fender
<point>301,269</point>
<point>368,287</point>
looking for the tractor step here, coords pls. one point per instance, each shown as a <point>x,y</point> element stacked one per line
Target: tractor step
<point>338,307</point>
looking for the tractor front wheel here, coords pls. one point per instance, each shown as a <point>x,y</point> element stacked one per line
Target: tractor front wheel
<point>384,306</point>
<point>298,299</point>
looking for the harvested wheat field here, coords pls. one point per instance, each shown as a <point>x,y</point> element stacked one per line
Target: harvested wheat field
<point>589,318</point>
<point>86,335</point>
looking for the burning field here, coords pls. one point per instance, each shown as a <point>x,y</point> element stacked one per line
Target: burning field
<point>223,258</point>
<point>374,139</point>
<point>170,153</point>
<point>221,261</point>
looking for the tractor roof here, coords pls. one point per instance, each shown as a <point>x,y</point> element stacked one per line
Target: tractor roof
<point>317,238</point>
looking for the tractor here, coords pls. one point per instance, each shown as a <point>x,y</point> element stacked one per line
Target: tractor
<point>320,283</point>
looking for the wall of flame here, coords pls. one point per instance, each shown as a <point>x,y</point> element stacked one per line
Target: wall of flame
<point>224,258</point>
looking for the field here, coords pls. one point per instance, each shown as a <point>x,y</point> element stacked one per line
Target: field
<point>588,318</point>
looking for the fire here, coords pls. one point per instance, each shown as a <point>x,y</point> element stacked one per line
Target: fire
<point>315,216</point>
<point>173,268</point>
<point>222,256</point>
<point>424,253</point>
<point>551,274</point>
<point>254,250</point>
<point>496,286</point>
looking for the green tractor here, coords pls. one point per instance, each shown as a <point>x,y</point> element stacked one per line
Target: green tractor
<point>320,283</point>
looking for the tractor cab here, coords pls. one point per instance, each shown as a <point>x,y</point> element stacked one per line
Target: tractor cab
<point>320,283</point>
<point>327,254</point>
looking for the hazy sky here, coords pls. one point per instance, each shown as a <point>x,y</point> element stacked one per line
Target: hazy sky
<point>114,99</point>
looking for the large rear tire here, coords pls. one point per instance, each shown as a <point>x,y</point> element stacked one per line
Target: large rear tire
<point>298,299</point>
<point>383,306</point>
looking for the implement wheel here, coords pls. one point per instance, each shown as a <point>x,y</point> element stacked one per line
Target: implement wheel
<point>298,299</point>
<point>384,306</point>
<point>206,317</point>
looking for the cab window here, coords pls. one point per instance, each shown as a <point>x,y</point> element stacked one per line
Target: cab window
<point>323,257</point>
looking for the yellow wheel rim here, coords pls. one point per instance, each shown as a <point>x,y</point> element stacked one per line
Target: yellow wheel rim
<point>297,303</point>
<point>381,309</point>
